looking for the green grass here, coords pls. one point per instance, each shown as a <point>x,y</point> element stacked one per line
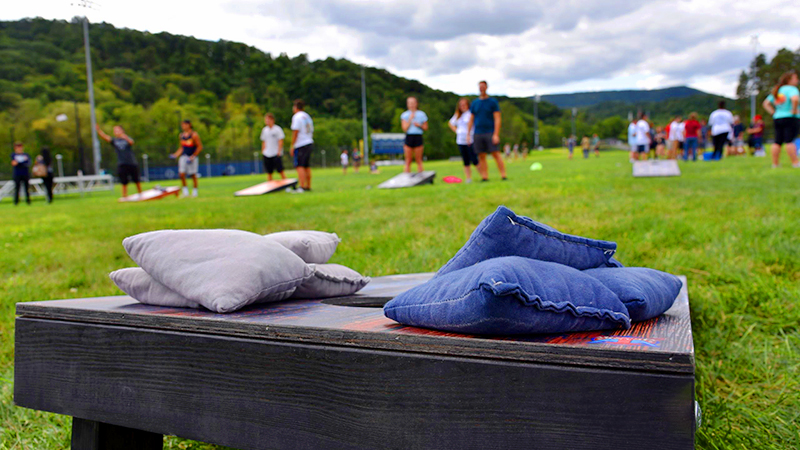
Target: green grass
<point>732,227</point>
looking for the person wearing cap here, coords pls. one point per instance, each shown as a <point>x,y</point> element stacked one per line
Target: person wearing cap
<point>21,162</point>
<point>756,132</point>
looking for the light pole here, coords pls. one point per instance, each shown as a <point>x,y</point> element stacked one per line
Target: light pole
<point>146,168</point>
<point>574,112</point>
<point>78,137</point>
<point>208,165</point>
<point>90,83</point>
<point>536,100</point>
<point>60,165</point>
<point>364,116</point>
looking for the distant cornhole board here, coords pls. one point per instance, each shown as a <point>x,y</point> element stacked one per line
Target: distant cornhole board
<point>267,187</point>
<point>405,180</point>
<point>152,194</point>
<point>656,168</point>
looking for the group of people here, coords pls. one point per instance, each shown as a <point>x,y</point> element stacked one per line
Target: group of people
<point>22,171</point>
<point>476,125</point>
<point>587,145</point>
<point>724,130</point>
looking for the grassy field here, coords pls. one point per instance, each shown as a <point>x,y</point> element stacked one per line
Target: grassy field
<point>732,227</point>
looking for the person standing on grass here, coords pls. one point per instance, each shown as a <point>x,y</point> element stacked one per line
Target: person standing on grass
<point>345,161</point>
<point>756,132</point>
<point>459,124</point>
<point>21,162</point>
<point>524,150</point>
<point>738,136</point>
<point>272,147</point>
<point>674,138</point>
<point>46,160</point>
<point>783,103</point>
<point>414,122</point>
<point>302,144</point>
<point>187,153</point>
<point>571,145</point>
<point>585,145</point>
<point>356,159</point>
<point>596,145</point>
<point>721,123</point>
<point>642,137</point>
<point>486,121</point>
<point>702,142</point>
<point>691,130</point>
<point>631,140</point>
<point>127,168</point>
<point>660,142</point>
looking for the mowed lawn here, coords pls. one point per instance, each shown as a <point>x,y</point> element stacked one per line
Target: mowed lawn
<point>733,228</point>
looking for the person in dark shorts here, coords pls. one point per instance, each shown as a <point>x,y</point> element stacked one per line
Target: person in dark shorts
<point>272,147</point>
<point>783,103</point>
<point>21,162</point>
<point>127,169</point>
<point>414,122</point>
<point>486,120</point>
<point>302,145</point>
<point>46,161</point>
<point>459,124</point>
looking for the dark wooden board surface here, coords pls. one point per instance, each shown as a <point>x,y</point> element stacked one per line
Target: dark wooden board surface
<point>661,344</point>
<point>265,394</point>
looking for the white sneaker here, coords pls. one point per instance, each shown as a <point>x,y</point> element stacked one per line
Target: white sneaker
<point>469,180</point>
<point>194,192</point>
<point>185,192</point>
<point>298,191</point>
<point>289,190</point>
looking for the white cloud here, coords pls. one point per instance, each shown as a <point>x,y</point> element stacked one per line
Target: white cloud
<point>521,46</point>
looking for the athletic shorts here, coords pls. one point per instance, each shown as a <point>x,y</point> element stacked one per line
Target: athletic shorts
<point>414,140</point>
<point>273,164</point>
<point>483,143</point>
<point>468,155</point>
<point>128,173</point>
<point>653,145</point>
<point>680,145</point>
<point>302,156</point>
<point>786,130</point>
<point>187,167</point>
<point>641,148</point>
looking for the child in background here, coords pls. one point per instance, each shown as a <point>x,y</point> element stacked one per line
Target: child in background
<point>345,160</point>
<point>586,145</point>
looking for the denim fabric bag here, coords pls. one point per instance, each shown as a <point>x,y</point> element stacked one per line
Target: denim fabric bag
<point>510,295</point>
<point>647,293</point>
<point>505,234</point>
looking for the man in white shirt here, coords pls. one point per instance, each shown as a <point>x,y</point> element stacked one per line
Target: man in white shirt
<point>631,139</point>
<point>302,144</point>
<point>721,123</point>
<point>642,137</point>
<point>272,147</point>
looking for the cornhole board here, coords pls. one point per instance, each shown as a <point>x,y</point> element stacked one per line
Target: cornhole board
<point>326,374</point>
<point>405,180</point>
<point>267,187</point>
<point>152,194</point>
<point>656,168</point>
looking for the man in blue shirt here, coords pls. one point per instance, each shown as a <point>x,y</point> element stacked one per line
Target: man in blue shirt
<point>21,162</point>
<point>486,122</point>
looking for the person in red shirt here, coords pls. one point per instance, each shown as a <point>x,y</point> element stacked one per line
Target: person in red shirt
<point>691,130</point>
<point>756,132</point>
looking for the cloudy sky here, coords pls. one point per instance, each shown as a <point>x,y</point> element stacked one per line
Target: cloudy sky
<point>521,46</point>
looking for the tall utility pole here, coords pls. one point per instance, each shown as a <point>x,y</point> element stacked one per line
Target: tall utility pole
<point>90,82</point>
<point>574,112</point>
<point>364,116</point>
<point>753,82</point>
<point>78,138</point>
<point>536,100</point>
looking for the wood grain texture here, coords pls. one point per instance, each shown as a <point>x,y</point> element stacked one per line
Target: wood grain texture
<point>92,435</point>
<point>662,344</point>
<point>266,394</point>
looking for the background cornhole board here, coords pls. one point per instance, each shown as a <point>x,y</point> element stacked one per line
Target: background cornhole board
<point>656,168</point>
<point>318,374</point>
<point>152,194</point>
<point>266,187</point>
<point>405,180</point>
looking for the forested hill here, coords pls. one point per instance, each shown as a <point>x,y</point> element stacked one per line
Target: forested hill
<point>146,82</point>
<point>581,99</point>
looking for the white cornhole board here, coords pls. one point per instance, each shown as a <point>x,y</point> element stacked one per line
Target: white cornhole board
<point>152,194</point>
<point>656,168</point>
<point>267,187</point>
<point>405,180</point>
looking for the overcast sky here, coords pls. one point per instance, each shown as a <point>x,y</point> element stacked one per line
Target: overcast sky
<point>521,47</point>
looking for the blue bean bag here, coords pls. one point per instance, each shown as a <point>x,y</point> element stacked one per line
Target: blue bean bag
<point>647,293</point>
<point>511,295</point>
<point>503,233</point>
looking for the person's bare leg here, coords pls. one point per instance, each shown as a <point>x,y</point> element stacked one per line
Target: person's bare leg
<point>183,179</point>
<point>418,157</point>
<point>501,166</point>
<point>269,177</point>
<point>283,175</point>
<point>408,156</point>
<point>139,187</point>
<point>194,180</point>
<point>301,177</point>
<point>467,173</point>
<point>124,190</point>
<point>791,149</point>
<point>776,154</point>
<point>308,177</point>
<point>483,167</point>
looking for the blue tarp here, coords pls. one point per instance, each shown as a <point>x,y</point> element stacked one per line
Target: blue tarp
<point>216,170</point>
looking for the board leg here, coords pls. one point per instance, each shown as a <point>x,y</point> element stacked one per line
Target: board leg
<point>92,435</point>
